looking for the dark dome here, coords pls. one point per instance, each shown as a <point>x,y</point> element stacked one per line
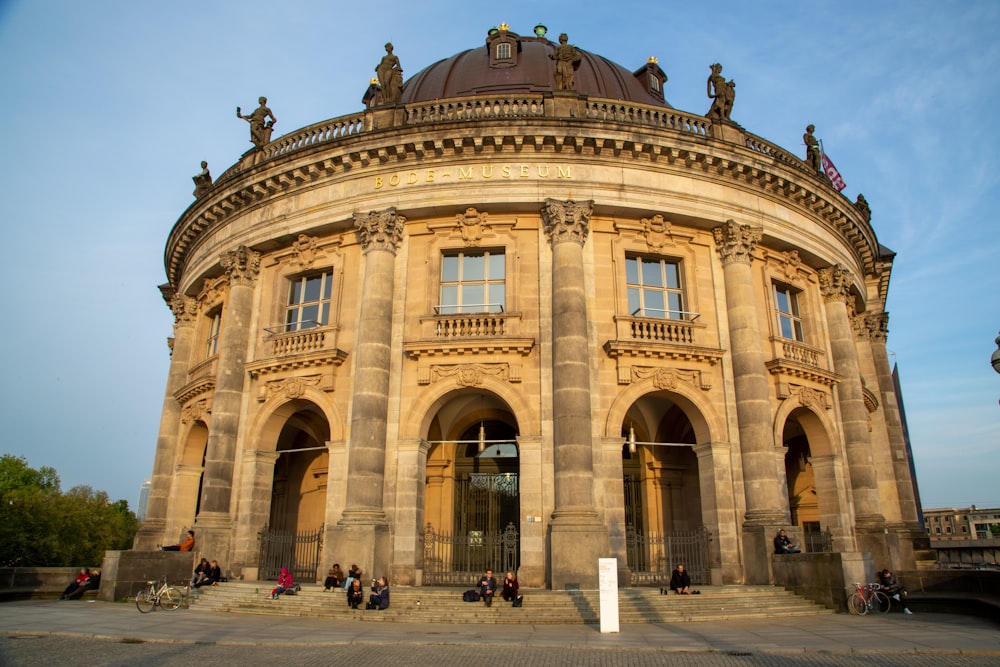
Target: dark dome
<point>469,73</point>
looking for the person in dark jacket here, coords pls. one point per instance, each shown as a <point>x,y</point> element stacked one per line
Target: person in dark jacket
<point>201,573</point>
<point>379,598</point>
<point>355,596</point>
<point>510,587</point>
<point>680,580</point>
<point>334,578</point>
<point>890,585</point>
<point>783,545</point>
<point>487,587</point>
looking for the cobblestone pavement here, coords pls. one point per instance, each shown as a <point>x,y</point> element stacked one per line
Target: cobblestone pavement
<point>57,651</point>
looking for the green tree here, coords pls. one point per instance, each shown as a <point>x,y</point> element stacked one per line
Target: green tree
<point>44,527</point>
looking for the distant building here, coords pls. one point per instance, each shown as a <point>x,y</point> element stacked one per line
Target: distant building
<point>143,498</point>
<point>503,322</point>
<point>969,523</point>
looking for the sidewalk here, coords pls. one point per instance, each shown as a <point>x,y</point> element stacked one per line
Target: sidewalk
<point>841,633</point>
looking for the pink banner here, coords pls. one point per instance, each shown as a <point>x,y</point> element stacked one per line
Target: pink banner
<point>833,174</point>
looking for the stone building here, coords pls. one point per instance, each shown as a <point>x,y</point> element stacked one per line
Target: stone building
<point>496,323</point>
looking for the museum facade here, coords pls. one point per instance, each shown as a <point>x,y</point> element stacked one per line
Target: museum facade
<point>523,316</point>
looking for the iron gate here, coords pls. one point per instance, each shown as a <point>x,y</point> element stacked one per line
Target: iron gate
<point>653,556</point>
<point>299,552</point>
<point>460,559</point>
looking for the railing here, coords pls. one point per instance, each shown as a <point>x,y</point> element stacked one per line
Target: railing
<point>297,342</point>
<point>459,560</point>
<point>486,325</point>
<point>819,543</point>
<point>668,119</point>
<point>653,556</point>
<point>299,552</point>
<point>474,109</point>
<point>328,130</point>
<point>660,330</point>
<point>795,351</point>
<point>764,147</point>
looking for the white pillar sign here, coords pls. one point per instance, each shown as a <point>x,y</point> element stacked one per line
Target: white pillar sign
<point>608,581</point>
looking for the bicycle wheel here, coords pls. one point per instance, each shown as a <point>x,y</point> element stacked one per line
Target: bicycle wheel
<point>144,600</point>
<point>882,603</point>
<point>857,604</point>
<point>171,598</point>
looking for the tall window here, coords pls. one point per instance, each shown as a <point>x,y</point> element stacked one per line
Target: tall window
<point>309,301</point>
<point>654,288</point>
<point>212,341</point>
<point>503,51</point>
<point>786,306</point>
<point>473,283</point>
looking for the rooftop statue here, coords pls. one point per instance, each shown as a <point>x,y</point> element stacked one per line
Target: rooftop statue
<point>722,92</point>
<point>567,59</point>
<point>813,155</point>
<point>202,181</point>
<point>390,77</point>
<point>862,205</point>
<point>260,127</point>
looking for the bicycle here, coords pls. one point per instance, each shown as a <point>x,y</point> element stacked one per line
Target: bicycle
<point>867,598</point>
<point>163,595</point>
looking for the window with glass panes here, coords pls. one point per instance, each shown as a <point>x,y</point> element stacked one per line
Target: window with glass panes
<point>473,282</point>
<point>654,288</point>
<point>309,301</point>
<point>212,341</point>
<point>786,306</point>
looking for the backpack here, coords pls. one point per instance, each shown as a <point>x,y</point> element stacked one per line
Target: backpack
<point>518,601</point>
<point>470,596</point>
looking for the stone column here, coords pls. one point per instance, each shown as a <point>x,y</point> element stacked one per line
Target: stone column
<point>835,283</point>
<point>577,535</point>
<point>363,530</point>
<point>410,483</point>
<point>761,486</point>
<point>913,541</point>
<point>718,509</point>
<point>153,529</point>
<point>253,510</point>
<point>213,526</point>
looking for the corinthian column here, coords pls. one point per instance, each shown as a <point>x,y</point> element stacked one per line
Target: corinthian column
<point>578,538</point>
<point>761,487</point>
<point>363,529</point>
<point>835,283</point>
<point>213,523</point>
<point>154,524</point>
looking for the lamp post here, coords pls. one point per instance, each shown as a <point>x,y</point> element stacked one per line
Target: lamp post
<point>995,359</point>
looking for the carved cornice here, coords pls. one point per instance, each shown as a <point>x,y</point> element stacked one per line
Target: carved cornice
<point>664,378</point>
<point>872,326</point>
<point>205,385</point>
<point>808,397</point>
<point>196,411</point>
<point>380,230</point>
<point>618,349</point>
<point>261,369</point>
<point>871,401</point>
<point>468,375</point>
<point>242,266</point>
<point>796,369</point>
<point>436,348</point>
<point>567,220</point>
<point>736,242</point>
<point>185,310</point>
<point>298,164</point>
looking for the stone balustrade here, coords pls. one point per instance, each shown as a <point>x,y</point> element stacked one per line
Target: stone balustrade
<point>298,342</point>
<point>657,330</point>
<point>474,108</point>
<point>791,350</point>
<point>658,117</point>
<point>489,325</point>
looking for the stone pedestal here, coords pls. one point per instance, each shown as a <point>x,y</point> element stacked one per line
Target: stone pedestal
<point>576,541</point>
<point>213,534</point>
<point>758,547</point>
<point>125,573</point>
<point>368,545</point>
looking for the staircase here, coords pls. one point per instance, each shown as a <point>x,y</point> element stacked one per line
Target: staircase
<point>541,607</point>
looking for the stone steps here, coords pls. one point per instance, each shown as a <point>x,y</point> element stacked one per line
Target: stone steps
<point>541,607</point>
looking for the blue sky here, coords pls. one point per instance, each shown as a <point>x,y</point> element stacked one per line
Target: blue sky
<point>109,106</point>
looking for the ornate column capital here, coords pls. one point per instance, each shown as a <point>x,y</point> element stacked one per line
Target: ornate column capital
<point>242,266</point>
<point>380,230</point>
<point>835,283</point>
<point>872,326</point>
<point>736,242</point>
<point>184,308</point>
<point>567,220</point>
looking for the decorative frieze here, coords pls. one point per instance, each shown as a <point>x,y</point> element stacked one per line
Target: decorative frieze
<point>736,242</point>
<point>468,375</point>
<point>567,220</point>
<point>380,230</point>
<point>196,411</point>
<point>835,283</point>
<point>307,251</point>
<point>185,309</point>
<point>290,388</point>
<point>808,397</point>
<point>872,326</point>
<point>664,378</point>
<point>656,231</point>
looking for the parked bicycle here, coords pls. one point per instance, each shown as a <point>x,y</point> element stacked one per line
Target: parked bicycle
<point>158,594</point>
<point>866,598</point>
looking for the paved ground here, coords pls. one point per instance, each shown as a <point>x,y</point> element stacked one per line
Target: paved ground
<point>55,634</point>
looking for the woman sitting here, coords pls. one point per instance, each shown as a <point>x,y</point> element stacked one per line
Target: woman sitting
<point>510,587</point>
<point>284,583</point>
<point>379,599</point>
<point>334,578</point>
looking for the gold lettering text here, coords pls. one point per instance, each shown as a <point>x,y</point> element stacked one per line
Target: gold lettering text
<point>564,173</point>
<point>506,171</point>
<point>430,175</point>
<point>543,171</point>
<point>464,174</point>
<point>378,182</point>
<point>524,171</point>
<point>411,178</point>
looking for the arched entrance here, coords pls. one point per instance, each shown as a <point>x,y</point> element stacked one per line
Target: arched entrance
<point>800,479</point>
<point>292,537</point>
<point>662,492</point>
<point>472,506</point>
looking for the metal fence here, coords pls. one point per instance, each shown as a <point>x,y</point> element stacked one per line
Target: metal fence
<point>460,559</point>
<point>299,552</point>
<point>818,543</point>
<point>653,556</point>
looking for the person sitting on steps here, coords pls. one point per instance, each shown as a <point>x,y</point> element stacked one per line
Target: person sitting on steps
<point>783,545</point>
<point>890,586</point>
<point>680,580</point>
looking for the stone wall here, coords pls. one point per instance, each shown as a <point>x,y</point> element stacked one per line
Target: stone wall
<point>126,572</point>
<point>32,582</point>
<point>822,577</point>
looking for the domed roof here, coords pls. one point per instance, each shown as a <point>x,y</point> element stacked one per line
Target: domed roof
<point>477,72</point>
